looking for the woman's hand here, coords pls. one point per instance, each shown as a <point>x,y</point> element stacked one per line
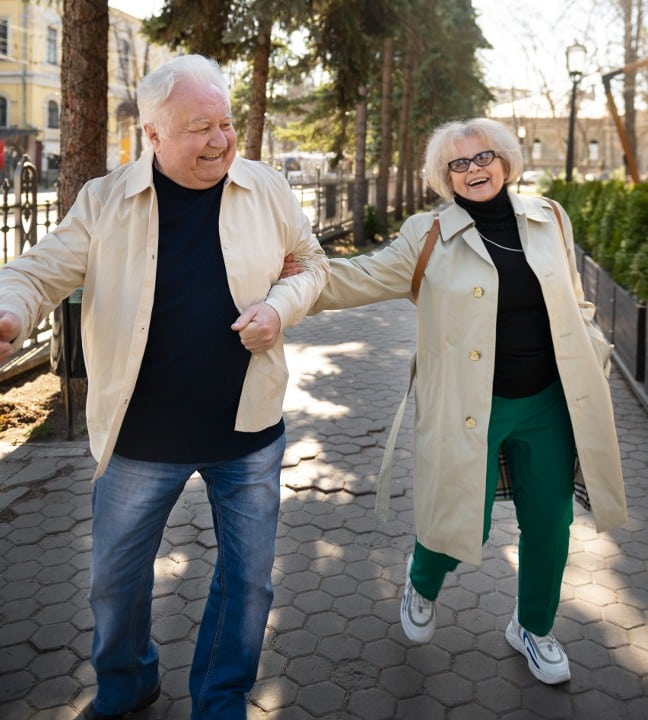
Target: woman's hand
<point>291,267</point>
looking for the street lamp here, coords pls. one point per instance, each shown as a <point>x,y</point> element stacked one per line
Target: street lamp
<point>576,55</point>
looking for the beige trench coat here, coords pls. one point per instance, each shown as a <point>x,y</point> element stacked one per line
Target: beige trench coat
<point>455,355</point>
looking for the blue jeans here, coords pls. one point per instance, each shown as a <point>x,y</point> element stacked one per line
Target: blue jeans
<point>131,504</point>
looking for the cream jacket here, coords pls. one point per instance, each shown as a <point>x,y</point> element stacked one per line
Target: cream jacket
<point>455,356</point>
<point>107,244</point>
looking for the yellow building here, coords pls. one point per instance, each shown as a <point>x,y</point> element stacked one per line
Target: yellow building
<point>30,64</point>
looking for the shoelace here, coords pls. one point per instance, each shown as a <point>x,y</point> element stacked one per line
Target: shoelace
<point>423,604</point>
<point>548,641</point>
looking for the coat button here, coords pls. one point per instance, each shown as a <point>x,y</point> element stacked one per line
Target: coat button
<point>478,292</point>
<point>471,423</point>
<point>474,355</point>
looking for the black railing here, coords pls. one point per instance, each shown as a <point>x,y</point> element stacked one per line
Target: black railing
<point>23,213</point>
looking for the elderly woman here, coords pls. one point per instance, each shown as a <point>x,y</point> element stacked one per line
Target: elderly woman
<point>508,364</point>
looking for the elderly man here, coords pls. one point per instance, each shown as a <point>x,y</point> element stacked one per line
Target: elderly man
<point>180,255</point>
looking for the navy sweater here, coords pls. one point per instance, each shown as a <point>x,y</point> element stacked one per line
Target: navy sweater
<point>187,393</point>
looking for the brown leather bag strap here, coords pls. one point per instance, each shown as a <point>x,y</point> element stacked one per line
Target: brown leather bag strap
<point>422,262</point>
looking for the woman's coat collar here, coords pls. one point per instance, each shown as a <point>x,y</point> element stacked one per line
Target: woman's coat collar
<point>454,220</point>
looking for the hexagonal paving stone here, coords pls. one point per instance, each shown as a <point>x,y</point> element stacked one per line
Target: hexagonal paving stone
<point>274,693</point>
<point>307,670</point>
<point>372,704</point>
<point>401,682</point>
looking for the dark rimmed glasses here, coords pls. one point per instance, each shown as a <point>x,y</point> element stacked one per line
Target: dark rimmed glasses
<point>483,158</point>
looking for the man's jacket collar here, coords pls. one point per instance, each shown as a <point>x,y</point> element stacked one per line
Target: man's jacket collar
<point>141,176</point>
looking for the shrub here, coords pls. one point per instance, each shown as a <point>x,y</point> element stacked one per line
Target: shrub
<point>606,228</point>
<point>639,273</point>
<point>373,229</point>
<point>610,222</point>
<point>634,223</point>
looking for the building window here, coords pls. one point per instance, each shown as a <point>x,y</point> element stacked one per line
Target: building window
<point>52,114</point>
<point>4,36</point>
<point>536,149</point>
<point>124,60</point>
<point>4,120</point>
<point>52,46</point>
<point>593,151</point>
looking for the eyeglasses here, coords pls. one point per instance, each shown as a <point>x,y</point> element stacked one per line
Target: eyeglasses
<point>483,158</point>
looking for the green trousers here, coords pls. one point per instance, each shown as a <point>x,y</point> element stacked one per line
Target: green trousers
<point>536,436</point>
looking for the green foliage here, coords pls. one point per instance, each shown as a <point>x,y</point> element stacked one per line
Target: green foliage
<point>635,235</point>
<point>372,223</point>
<point>610,221</point>
<point>607,226</point>
<point>639,273</point>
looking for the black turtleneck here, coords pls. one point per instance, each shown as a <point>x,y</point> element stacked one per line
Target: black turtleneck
<point>524,356</point>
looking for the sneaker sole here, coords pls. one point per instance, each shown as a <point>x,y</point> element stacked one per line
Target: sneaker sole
<point>515,641</point>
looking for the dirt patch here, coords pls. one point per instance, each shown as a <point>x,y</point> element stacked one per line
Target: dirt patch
<point>32,409</point>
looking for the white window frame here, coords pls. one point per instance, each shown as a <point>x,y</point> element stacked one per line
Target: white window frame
<point>51,45</point>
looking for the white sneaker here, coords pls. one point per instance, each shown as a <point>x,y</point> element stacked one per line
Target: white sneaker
<point>545,655</point>
<point>416,612</point>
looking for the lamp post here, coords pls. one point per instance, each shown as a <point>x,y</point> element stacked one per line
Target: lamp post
<point>576,55</point>
<point>521,133</point>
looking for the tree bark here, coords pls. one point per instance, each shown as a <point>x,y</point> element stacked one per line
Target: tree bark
<point>632,28</point>
<point>382,190</point>
<point>258,102</point>
<point>403,127</point>
<point>84,127</point>
<point>360,181</point>
<point>84,96</point>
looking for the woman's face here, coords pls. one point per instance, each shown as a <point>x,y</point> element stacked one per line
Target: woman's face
<point>477,183</point>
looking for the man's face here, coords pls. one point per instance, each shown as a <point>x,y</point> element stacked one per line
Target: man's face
<point>198,142</point>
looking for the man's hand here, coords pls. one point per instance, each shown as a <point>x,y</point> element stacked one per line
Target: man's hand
<point>258,327</point>
<point>9,329</point>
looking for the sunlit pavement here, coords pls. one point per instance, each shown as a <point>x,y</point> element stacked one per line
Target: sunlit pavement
<point>334,648</point>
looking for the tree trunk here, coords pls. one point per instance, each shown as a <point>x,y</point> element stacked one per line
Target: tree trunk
<point>382,189</point>
<point>360,181</point>
<point>419,182</point>
<point>632,25</point>
<point>403,127</point>
<point>84,124</point>
<point>84,96</point>
<point>410,170</point>
<point>260,70</point>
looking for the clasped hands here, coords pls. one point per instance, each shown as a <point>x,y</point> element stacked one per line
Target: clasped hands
<point>259,325</point>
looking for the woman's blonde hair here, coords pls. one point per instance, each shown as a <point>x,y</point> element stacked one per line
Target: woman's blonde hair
<point>441,148</point>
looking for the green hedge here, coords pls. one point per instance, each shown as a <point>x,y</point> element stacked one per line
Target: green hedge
<point>610,221</point>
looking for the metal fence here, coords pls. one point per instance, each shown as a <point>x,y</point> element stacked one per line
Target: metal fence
<point>28,213</point>
<point>25,215</point>
<point>328,203</point>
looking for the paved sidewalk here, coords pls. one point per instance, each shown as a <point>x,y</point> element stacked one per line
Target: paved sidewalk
<point>334,647</point>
